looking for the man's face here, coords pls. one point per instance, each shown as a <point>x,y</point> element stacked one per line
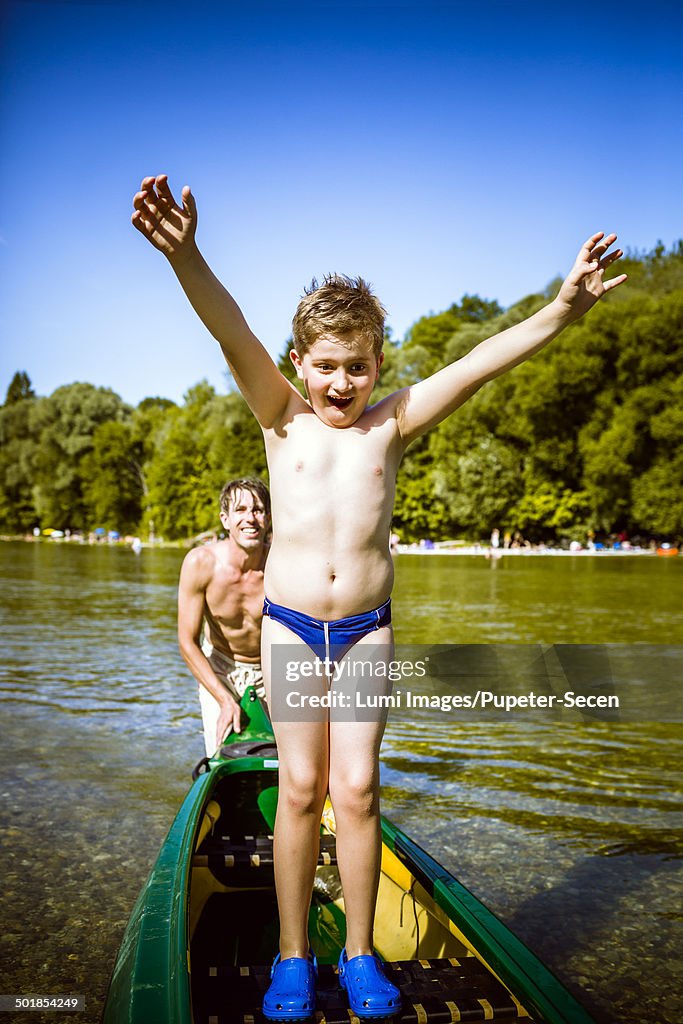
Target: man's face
<point>339,373</point>
<point>246,520</point>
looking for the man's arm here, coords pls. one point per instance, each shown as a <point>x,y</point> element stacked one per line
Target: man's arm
<point>426,403</point>
<point>195,575</point>
<point>171,229</point>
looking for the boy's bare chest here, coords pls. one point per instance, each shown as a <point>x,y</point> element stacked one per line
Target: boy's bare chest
<point>312,454</point>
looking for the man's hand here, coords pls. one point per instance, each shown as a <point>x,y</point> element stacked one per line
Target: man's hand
<point>229,719</point>
<point>169,227</point>
<point>584,285</point>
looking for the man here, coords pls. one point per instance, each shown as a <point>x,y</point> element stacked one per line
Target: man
<point>221,585</point>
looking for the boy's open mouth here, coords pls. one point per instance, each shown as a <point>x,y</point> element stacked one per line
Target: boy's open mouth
<point>339,403</point>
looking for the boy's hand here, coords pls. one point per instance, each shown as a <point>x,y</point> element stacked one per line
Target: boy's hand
<point>169,227</point>
<point>584,285</point>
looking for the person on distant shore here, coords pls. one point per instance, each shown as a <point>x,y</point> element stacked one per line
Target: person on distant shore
<point>333,460</point>
<point>221,588</point>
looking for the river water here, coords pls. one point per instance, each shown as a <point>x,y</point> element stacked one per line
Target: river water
<point>564,824</point>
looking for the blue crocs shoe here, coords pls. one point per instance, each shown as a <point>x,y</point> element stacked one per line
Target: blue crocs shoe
<point>370,993</point>
<point>291,995</point>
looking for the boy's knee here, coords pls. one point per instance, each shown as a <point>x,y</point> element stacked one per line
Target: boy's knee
<point>356,795</point>
<point>303,793</point>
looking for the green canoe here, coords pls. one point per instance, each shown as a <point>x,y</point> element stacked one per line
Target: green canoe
<point>204,930</point>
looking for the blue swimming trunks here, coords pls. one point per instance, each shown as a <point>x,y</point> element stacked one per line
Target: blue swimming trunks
<point>329,639</point>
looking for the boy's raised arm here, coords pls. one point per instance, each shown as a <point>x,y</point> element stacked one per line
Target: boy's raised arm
<point>171,229</point>
<point>429,401</point>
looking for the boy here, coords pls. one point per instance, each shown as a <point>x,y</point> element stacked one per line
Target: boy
<point>221,585</point>
<point>333,461</point>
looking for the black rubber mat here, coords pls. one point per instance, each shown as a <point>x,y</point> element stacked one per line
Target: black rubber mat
<point>236,860</point>
<point>433,991</point>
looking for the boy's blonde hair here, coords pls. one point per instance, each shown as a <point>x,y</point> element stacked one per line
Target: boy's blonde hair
<point>339,305</point>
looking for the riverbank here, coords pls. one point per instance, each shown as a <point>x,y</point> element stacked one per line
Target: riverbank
<point>80,541</point>
<point>438,548</point>
<point>484,551</point>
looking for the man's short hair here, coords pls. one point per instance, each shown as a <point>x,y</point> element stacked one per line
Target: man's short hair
<point>339,305</point>
<point>252,484</point>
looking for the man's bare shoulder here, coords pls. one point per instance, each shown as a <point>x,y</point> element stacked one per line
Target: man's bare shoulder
<point>199,566</point>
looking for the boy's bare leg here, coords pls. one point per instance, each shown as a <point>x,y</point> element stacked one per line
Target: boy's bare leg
<point>303,755</point>
<point>354,793</point>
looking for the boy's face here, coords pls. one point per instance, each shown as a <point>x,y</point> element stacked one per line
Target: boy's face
<point>246,520</point>
<point>339,372</point>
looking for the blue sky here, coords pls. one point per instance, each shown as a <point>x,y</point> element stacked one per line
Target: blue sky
<point>436,149</point>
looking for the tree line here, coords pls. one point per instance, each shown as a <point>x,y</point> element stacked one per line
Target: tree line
<point>587,435</point>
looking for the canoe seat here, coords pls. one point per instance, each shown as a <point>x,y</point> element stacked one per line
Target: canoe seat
<point>245,860</point>
<point>436,991</point>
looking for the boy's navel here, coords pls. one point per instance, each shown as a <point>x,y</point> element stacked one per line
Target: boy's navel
<point>299,466</point>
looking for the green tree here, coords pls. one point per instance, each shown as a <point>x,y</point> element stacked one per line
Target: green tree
<point>180,489</point>
<point>427,339</point>
<point>199,446</point>
<point>112,485</point>
<point>547,511</point>
<point>64,425</point>
<point>233,442</point>
<point>657,494</point>
<point>148,428</point>
<point>480,486</point>
<point>418,511</point>
<point>19,389</point>
<point>17,453</point>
